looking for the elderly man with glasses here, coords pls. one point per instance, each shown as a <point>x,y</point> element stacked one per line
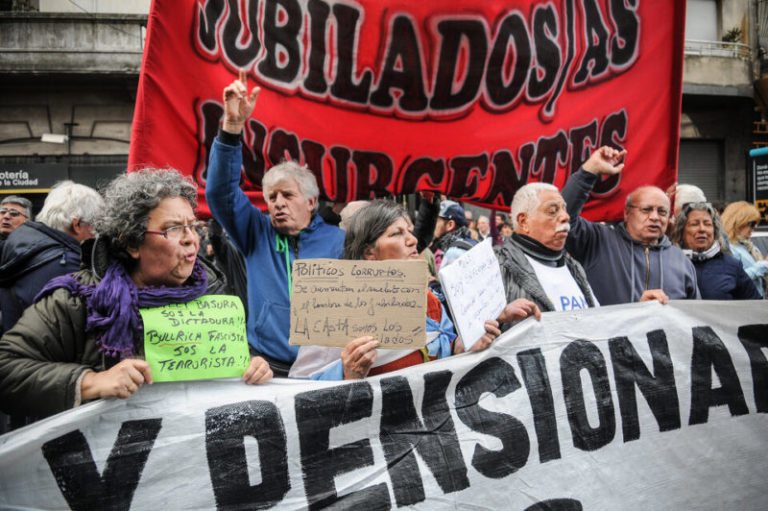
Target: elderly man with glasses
<point>634,260</point>
<point>14,211</point>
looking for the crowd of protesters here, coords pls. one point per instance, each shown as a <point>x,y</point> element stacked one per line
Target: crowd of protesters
<point>72,281</point>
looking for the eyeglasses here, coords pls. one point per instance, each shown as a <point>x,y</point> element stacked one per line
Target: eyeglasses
<point>15,213</point>
<point>176,232</point>
<point>753,224</point>
<point>647,210</point>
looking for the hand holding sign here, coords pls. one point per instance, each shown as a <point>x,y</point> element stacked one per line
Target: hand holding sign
<point>238,104</point>
<point>492,331</point>
<point>358,357</point>
<point>121,380</point>
<point>655,294</point>
<point>258,372</point>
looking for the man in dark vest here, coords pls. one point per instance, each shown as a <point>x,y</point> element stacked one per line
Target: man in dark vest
<point>534,263</point>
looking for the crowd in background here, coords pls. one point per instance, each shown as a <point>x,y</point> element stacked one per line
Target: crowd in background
<point>72,281</point>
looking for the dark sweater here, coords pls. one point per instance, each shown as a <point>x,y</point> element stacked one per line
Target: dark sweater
<point>32,255</point>
<point>618,267</point>
<point>723,278</point>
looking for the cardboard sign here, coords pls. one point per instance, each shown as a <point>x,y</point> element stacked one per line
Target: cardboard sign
<point>335,301</point>
<point>474,290</point>
<point>199,340</point>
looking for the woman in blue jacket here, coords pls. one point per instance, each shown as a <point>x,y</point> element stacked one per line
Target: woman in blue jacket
<point>739,220</point>
<point>719,275</point>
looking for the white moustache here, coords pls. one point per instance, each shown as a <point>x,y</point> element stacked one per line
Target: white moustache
<point>563,227</point>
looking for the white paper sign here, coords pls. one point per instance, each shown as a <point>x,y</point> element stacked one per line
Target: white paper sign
<point>474,290</point>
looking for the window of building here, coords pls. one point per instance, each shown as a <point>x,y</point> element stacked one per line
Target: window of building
<point>701,163</point>
<point>701,20</point>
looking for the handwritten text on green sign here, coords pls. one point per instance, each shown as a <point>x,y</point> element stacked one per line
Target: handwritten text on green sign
<point>201,339</point>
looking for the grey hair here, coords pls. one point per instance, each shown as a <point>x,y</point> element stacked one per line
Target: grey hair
<point>290,169</point>
<point>526,199</point>
<point>131,197</point>
<point>368,223</point>
<point>678,237</point>
<point>349,210</point>
<point>687,193</point>
<point>68,201</point>
<point>19,201</point>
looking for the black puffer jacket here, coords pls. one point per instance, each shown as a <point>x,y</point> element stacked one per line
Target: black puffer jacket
<point>32,255</point>
<point>43,357</point>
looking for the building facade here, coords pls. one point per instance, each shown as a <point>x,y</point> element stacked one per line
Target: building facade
<point>721,105</point>
<point>70,72</point>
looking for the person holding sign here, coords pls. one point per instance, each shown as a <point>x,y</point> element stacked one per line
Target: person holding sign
<point>382,231</point>
<point>82,338</point>
<point>269,245</point>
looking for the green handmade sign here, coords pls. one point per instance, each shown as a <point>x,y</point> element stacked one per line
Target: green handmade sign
<point>199,340</point>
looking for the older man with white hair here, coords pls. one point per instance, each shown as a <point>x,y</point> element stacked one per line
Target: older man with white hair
<point>686,194</point>
<point>534,264</point>
<point>271,244</point>
<point>683,194</point>
<point>35,252</point>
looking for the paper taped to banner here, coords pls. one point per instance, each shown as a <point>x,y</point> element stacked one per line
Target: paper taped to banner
<point>637,406</point>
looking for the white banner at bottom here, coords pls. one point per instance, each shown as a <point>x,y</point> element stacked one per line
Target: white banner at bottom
<point>637,406</point>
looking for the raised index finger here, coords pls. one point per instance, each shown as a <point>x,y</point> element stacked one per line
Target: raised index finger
<point>243,77</point>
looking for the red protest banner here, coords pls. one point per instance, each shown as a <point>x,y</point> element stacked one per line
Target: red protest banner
<point>385,97</point>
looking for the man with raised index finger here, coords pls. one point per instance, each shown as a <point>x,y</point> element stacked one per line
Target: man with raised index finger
<point>271,244</point>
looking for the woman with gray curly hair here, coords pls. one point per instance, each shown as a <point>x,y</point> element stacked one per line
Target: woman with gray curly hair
<point>720,276</point>
<point>83,338</point>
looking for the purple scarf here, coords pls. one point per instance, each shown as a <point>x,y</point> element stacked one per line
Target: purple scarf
<point>112,305</point>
